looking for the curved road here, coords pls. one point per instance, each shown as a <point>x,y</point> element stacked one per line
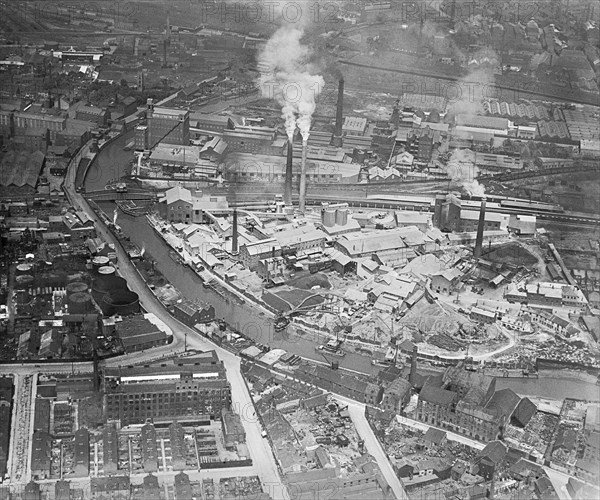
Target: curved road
<point>260,451</point>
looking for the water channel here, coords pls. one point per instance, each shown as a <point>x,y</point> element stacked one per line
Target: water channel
<point>109,165</point>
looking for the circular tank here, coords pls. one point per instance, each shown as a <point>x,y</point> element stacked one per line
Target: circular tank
<point>76,287</point>
<point>75,277</point>
<point>122,302</point>
<point>106,270</point>
<point>24,269</point>
<point>105,283</point>
<point>100,261</point>
<point>80,303</point>
<point>24,279</point>
<point>341,217</point>
<point>329,217</point>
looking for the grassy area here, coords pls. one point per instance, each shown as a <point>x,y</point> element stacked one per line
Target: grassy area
<point>296,297</point>
<point>310,280</point>
<point>275,302</point>
<point>281,300</point>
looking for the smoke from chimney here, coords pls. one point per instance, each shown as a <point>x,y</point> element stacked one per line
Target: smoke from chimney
<point>303,176</point>
<point>480,225</point>
<point>287,194</point>
<point>234,236</point>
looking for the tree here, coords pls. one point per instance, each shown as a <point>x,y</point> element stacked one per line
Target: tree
<point>124,83</point>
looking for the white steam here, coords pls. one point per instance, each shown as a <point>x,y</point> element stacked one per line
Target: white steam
<point>286,77</point>
<point>115,215</point>
<point>462,170</point>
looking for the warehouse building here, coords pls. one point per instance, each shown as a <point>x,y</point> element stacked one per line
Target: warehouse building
<point>192,389</point>
<point>489,124</point>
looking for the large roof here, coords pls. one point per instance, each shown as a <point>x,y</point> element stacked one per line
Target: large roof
<point>436,395</point>
<point>178,193</point>
<point>365,243</point>
<point>489,122</point>
<point>21,168</point>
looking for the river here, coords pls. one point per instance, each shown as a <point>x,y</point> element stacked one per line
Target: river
<point>109,165</point>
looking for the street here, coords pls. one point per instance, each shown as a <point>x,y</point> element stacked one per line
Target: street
<point>260,451</point>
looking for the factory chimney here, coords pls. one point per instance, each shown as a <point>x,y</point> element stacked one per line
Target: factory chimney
<point>165,53</point>
<point>413,366</point>
<point>287,193</point>
<point>480,226</point>
<point>234,235</point>
<point>302,204</point>
<point>339,115</point>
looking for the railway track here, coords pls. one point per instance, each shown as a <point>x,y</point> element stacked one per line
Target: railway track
<point>373,203</point>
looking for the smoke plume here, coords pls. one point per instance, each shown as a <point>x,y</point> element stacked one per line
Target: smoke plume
<point>286,76</point>
<point>468,95</point>
<point>462,170</point>
<point>115,215</point>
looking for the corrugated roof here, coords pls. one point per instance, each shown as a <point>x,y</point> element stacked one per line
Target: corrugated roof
<point>21,168</point>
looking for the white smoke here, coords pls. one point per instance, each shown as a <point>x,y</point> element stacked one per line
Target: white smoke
<point>462,170</point>
<point>286,77</point>
<point>143,250</point>
<point>115,215</point>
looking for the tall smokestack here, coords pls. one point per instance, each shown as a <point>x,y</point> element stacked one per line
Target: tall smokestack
<point>479,239</point>
<point>287,193</point>
<point>165,53</point>
<point>303,176</point>
<point>339,116</point>
<point>234,236</point>
<point>413,366</point>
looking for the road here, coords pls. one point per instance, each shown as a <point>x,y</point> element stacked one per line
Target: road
<point>260,451</point>
<point>357,414</point>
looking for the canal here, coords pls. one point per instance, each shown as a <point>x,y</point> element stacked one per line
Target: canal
<point>110,164</point>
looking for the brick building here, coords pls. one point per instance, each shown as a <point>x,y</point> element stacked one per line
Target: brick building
<point>168,125</point>
<point>194,388</point>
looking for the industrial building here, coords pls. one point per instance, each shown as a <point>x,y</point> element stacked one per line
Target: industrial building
<point>168,125</point>
<point>193,389</point>
<point>420,142</point>
<point>467,403</point>
<point>180,205</point>
<point>242,167</point>
<point>252,253</point>
<point>486,124</point>
<point>211,122</point>
<point>99,116</point>
<point>20,171</point>
<point>259,140</point>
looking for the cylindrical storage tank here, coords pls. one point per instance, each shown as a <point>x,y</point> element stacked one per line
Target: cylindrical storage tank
<point>99,261</point>
<point>80,303</point>
<point>341,217</point>
<point>24,269</point>
<point>122,302</point>
<point>76,287</point>
<point>329,217</point>
<point>105,283</point>
<point>24,280</point>
<point>106,270</point>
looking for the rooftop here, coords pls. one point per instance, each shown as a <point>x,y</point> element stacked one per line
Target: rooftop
<point>21,168</point>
